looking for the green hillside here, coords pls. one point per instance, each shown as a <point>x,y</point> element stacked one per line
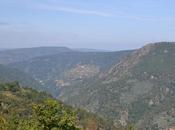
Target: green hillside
<point>26,109</point>
<point>8,74</point>
<point>123,87</point>
<point>140,89</point>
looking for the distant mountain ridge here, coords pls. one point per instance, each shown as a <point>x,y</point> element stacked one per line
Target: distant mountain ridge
<point>90,50</point>
<point>22,54</point>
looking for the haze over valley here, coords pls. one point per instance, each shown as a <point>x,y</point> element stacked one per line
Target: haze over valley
<point>87,65</point>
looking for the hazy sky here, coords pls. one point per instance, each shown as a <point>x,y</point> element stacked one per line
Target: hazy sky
<point>101,24</point>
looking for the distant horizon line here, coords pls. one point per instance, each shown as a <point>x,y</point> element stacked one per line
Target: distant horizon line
<point>76,49</point>
<point>82,48</point>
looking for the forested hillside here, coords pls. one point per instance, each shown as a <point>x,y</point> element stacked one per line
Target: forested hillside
<point>8,74</point>
<point>139,89</point>
<point>26,109</point>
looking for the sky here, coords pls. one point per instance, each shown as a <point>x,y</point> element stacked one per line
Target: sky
<point>98,24</point>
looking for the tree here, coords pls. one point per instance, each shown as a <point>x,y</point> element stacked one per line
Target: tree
<point>2,122</point>
<point>52,115</point>
<point>131,127</point>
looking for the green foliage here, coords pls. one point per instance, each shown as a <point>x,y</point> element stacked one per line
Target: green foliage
<point>52,115</point>
<point>131,127</point>
<point>17,122</point>
<point>26,109</point>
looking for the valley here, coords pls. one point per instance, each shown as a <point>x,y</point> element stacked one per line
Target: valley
<point>87,65</point>
<point>123,87</point>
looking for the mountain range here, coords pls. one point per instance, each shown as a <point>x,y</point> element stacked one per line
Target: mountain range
<point>22,54</point>
<point>139,89</point>
<point>133,86</point>
<point>54,71</point>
